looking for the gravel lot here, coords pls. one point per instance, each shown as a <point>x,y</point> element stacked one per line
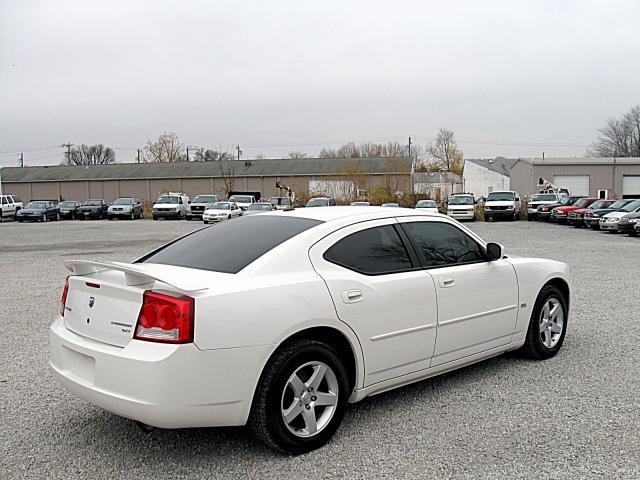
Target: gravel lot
<point>574,416</point>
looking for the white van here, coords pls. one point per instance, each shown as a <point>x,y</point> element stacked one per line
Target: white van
<point>505,204</point>
<point>171,205</point>
<point>462,206</point>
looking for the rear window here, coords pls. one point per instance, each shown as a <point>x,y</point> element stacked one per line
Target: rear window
<point>231,245</point>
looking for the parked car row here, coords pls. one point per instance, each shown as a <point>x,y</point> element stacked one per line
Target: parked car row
<point>48,210</point>
<point>594,213</point>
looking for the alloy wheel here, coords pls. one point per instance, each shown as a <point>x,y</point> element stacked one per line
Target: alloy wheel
<point>551,322</point>
<point>309,399</point>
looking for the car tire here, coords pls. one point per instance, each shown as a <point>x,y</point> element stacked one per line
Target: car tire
<point>486,218</point>
<point>546,331</point>
<point>57,217</point>
<point>132,216</point>
<point>229,217</point>
<point>299,359</point>
<point>44,218</point>
<point>154,217</point>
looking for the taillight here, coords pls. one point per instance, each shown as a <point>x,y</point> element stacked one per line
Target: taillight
<point>63,300</point>
<point>165,317</point>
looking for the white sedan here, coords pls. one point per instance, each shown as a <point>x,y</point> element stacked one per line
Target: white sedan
<point>281,319</point>
<point>427,206</point>
<point>218,211</point>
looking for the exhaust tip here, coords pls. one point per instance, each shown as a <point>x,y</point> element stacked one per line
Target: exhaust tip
<point>145,428</point>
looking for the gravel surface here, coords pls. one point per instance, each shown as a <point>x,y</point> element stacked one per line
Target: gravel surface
<point>574,416</point>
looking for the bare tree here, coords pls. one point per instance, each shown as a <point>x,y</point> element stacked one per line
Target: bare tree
<point>206,155</point>
<point>90,155</point>
<point>444,152</point>
<point>368,150</point>
<point>297,154</point>
<point>619,137</point>
<point>166,148</point>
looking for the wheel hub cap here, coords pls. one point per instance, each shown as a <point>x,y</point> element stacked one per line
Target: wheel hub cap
<point>551,322</point>
<point>309,399</point>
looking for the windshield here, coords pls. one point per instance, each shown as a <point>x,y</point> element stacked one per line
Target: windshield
<point>92,203</point>
<point>572,200</point>
<point>582,202</point>
<point>124,201</point>
<point>600,204</point>
<point>500,197</point>
<point>631,206</point>
<point>167,200</point>
<point>461,201</point>
<point>265,207</point>
<point>390,205</point>
<point>205,199</point>
<point>230,246</point>
<point>37,205</point>
<point>241,199</point>
<point>279,201</point>
<point>426,204</point>
<point>620,203</point>
<point>67,204</point>
<point>318,202</point>
<point>220,206</point>
<point>544,197</point>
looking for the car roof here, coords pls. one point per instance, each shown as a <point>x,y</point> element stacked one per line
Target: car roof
<point>339,213</point>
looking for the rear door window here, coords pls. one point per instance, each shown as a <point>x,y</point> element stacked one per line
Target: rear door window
<point>374,251</point>
<point>231,245</point>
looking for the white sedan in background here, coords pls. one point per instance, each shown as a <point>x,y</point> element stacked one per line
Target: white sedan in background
<point>427,206</point>
<point>611,221</point>
<point>218,211</point>
<point>281,319</point>
<point>260,207</point>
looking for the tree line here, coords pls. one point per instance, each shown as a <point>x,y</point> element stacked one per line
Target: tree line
<point>619,137</point>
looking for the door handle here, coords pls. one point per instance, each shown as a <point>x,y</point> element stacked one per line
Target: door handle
<point>352,296</point>
<point>446,282</point>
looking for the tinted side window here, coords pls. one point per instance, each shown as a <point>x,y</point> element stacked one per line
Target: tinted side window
<point>231,245</point>
<point>372,251</point>
<point>440,244</point>
<point>4,200</point>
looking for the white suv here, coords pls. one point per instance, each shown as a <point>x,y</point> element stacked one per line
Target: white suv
<point>171,205</point>
<point>9,206</point>
<point>504,204</point>
<point>462,206</point>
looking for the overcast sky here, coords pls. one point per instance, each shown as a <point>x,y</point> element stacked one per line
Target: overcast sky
<point>512,78</point>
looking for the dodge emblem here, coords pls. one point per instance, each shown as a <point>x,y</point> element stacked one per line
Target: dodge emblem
<point>91,301</point>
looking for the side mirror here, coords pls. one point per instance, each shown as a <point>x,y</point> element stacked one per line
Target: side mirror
<point>494,251</point>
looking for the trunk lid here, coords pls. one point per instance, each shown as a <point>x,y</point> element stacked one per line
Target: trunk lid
<point>105,298</point>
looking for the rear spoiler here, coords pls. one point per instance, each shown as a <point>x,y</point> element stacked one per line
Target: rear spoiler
<point>133,274</point>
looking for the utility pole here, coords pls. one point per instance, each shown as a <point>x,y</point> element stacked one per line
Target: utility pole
<point>239,151</point>
<point>21,159</point>
<point>187,154</point>
<point>138,155</point>
<point>409,145</point>
<point>68,146</point>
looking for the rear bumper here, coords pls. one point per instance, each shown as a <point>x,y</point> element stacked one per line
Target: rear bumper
<point>166,386</point>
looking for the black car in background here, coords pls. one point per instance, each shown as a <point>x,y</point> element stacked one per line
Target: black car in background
<point>38,211</point>
<point>93,208</point>
<point>628,224</point>
<point>592,217</point>
<point>68,209</point>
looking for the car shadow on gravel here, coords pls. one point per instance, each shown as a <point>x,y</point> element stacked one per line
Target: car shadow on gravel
<point>116,436</point>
